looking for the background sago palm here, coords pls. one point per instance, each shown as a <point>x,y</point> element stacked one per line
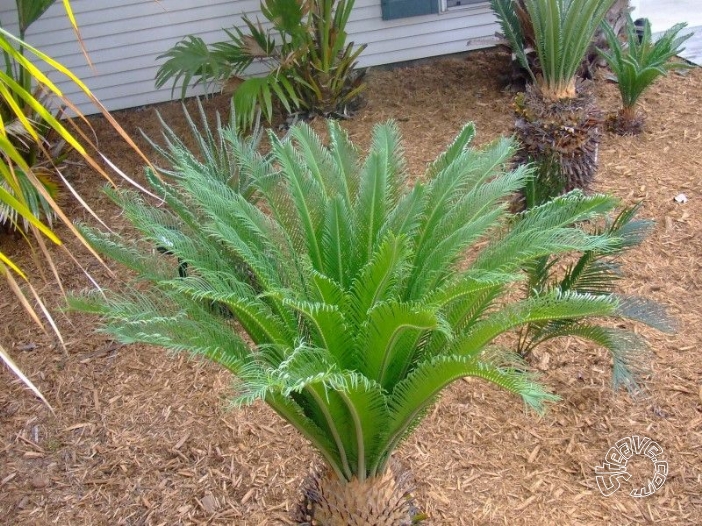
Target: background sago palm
<point>558,122</point>
<point>346,298</point>
<point>637,64</point>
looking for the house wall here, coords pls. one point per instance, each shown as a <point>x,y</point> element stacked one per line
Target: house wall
<point>664,14</point>
<point>124,37</point>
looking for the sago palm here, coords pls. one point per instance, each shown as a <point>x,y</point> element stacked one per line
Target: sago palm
<point>638,64</point>
<point>346,298</point>
<point>598,272</point>
<point>558,122</point>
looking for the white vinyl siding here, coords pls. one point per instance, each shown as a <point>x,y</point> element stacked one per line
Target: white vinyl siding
<point>124,37</point>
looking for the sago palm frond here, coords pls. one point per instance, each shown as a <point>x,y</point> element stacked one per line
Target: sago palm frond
<point>219,153</point>
<point>359,301</point>
<point>596,272</point>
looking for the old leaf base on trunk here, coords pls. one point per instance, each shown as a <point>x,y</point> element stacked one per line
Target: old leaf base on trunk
<point>563,133</point>
<point>384,500</point>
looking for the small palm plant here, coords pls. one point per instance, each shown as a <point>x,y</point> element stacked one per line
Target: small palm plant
<point>597,272</point>
<point>558,122</point>
<point>310,66</point>
<point>360,297</point>
<point>638,64</point>
<point>219,150</point>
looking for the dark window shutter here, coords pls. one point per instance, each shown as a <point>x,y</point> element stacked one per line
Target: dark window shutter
<point>404,8</point>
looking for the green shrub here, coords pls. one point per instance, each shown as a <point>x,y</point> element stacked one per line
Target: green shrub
<point>347,299</point>
<point>638,63</point>
<point>598,272</point>
<point>311,67</point>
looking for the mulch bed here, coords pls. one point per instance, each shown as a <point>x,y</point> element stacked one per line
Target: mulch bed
<point>142,437</point>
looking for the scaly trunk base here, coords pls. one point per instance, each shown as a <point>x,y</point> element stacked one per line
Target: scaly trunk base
<point>561,136</point>
<point>626,122</point>
<point>384,500</point>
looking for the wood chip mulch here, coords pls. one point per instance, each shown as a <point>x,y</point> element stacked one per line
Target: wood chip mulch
<point>140,437</point>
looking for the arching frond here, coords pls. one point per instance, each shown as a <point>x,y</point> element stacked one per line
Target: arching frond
<point>420,388</point>
<point>379,341</point>
<point>380,276</point>
<point>380,184</point>
<point>552,307</point>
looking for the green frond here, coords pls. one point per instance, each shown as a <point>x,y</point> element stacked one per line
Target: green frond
<point>221,153</point>
<point>631,356</point>
<point>330,328</point>
<point>519,247</point>
<point>152,320</point>
<point>326,290</point>
<point>337,235</point>
<point>307,196</point>
<point>346,158</point>
<point>467,284</point>
<point>406,217</point>
<point>645,311</point>
<point>320,162</point>
<point>551,307</point>
<point>249,234</point>
<point>291,412</point>
<point>191,62</point>
<point>590,275</point>
<point>475,214</point>
<point>597,271</point>
<point>457,147</point>
<point>565,210</point>
<point>419,390</point>
<point>380,181</point>
<point>512,30</point>
<point>147,265</point>
<point>452,185</point>
<point>379,279</point>
<point>380,341</point>
<point>367,408</point>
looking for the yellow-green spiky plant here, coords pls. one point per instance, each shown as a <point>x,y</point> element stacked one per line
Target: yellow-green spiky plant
<point>29,162</point>
<point>353,289</point>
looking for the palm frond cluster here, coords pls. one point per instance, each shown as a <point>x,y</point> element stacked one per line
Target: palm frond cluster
<point>598,272</point>
<point>361,296</point>
<point>559,125</point>
<point>559,34</point>
<point>638,63</point>
<point>310,66</point>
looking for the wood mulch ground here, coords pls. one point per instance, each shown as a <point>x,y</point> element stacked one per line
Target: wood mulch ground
<point>140,437</point>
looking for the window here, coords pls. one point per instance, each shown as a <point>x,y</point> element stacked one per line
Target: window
<point>450,4</point>
<point>405,8</point>
<point>393,9</point>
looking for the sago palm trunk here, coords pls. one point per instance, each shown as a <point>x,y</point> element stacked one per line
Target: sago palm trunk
<point>627,121</point>
<point>562,133</point>
<point>384,500</point>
